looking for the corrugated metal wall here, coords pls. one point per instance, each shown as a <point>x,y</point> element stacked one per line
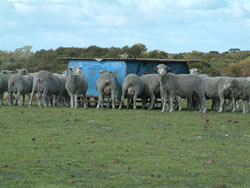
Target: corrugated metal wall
<point>91,71</point>
<point>141,68</point>
<point>91,68</point>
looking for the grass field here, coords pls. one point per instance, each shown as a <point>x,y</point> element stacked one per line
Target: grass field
<point>61,147</point>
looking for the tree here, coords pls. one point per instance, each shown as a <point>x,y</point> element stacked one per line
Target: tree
<point>153,54</point>
<point>241,69</point>
<point>24,52</point>
<point>114,52</point>
<point>137,51</point>
<point>157,54</point>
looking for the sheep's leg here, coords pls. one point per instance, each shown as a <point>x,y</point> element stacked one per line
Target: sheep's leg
<point>98,104</point>
<point>234,105</point>
<point>171,101</point>
<point>49,101</point>
<point>23,100</point>
<point>168,101</point>
<point>144,100</point>
<point>72,101</point>
<point>100,98</point>
<point>215,105</point>
<point>10,99</point>
<point>18,99</point>
<point>237,105</point>
<point>128,102</point>
<point>31,97</point>
<point>28,96</point>
<point>164,102</point>
<point>108,101</point>
<point>122,99</point>
<point>178,99</point>
<point>39,99</point>
<point>58,100</point>
<point>85,101</point>
<point>202,100</point>
<point>245,106</point>
<point>45,97</point>
<point>76,102</point>
<point>134,102</point>
<point>227,104</point>
<point>1,99</point>
<point>221,102</point>
<point>190,102</point>
<point>152,101</point>
<point>113,98</point>
<point>102,101</point>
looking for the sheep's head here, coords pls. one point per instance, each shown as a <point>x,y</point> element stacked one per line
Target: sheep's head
<point>75,70</point>
<point>22,71</point>
<point>230,84</point>
<point>6,72</point>
<point>194,71</point>
<point>162,69</point>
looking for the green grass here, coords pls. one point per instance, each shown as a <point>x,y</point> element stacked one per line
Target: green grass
<point>63,147</point>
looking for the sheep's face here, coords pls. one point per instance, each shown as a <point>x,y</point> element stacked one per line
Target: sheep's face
<point>161,69</point>
<point>194,71</point>
<point>22,71</point>
<point>6,72</point>
<point>230,84</point>
<point>75,70</point>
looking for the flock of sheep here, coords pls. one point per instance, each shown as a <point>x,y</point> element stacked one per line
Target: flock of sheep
<point>171,88</point>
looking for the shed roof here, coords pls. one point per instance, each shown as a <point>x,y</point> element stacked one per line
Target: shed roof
<point>145,60</point>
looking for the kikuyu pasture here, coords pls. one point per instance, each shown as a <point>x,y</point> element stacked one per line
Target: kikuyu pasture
<point>85,147</point>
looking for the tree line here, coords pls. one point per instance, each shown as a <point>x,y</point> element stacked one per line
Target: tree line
<point>213,63</point>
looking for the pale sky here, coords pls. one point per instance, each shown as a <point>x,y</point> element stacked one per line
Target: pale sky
<point>170,25</point>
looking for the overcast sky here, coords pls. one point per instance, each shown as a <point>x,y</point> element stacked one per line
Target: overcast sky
<point>170,25</point>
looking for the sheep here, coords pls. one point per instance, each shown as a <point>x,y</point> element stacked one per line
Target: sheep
<point>243,92</point>
<point>220,88</point>
<point>151,89</point>
<point>65,99</point>
<point>132,86</point>
<point>46,85</point>
<point>4,77</point>
<point>76,84</point>
<point>21,85</point>
<point>106,85</point>
<point>182,85</point>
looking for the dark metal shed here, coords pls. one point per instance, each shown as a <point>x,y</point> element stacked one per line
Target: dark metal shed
<point>139,66</point>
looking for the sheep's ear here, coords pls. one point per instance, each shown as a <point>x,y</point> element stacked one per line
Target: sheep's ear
<point>155,68</point>
<point>70,68</point>
<point>168,68</point>
<point>165,66</point>
<point>102,71</point>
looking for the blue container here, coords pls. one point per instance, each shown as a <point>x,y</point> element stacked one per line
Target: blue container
<point>139,66</point>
